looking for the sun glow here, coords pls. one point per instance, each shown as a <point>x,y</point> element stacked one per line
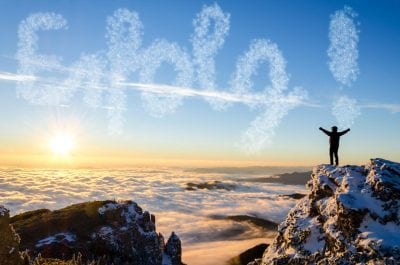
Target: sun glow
<point>62,144</point>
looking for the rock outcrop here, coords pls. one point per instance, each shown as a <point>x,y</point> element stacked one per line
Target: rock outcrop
<point>9,241</point>
<point>113,232</point>
<point>350,216</point>
<point>173,249</point>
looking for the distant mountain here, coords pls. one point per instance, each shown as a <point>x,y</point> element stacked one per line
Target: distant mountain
<point>107,232</point>
<point>351,215</point>
<point>294,178</point>
<point>296,175</point>
<point>252,170</point>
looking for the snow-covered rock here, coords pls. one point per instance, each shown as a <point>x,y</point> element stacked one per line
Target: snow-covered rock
<point>350,216</point>
<point>115,232</point>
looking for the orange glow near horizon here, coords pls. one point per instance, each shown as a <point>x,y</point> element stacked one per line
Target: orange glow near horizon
<point>126,161</point>
<point>64,147</point>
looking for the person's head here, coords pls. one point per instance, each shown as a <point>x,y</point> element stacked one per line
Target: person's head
<point>334,129</point>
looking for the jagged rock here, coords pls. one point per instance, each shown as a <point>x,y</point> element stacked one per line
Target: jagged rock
<point>350,216</point>
<point>9,241</point>
<point>173,249</point>
<point>115,232</point>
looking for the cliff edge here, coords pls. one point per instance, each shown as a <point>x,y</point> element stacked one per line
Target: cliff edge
<point>350,216</point>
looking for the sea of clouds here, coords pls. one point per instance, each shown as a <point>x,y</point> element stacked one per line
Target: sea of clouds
<point>163,193</point>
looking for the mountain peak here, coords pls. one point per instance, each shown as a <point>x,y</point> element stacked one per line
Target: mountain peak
<point>351,215</point>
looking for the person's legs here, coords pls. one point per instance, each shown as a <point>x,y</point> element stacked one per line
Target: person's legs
<point>331,155</point>
<point>336,157</point>
<point>335,152</point>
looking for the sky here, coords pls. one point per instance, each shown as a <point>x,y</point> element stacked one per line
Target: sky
<point>198,82</point>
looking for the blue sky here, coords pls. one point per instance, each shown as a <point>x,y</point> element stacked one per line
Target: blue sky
<point>196,131</point>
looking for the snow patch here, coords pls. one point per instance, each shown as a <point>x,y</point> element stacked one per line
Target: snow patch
<point>3,210</point>
<point>315,241</point>
<point>129,213</point>
<point>378,236</point>
<point>57,238</point>
<point>107,207</point>
<point>105,231</point>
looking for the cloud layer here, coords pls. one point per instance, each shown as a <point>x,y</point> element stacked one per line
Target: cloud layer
<point>162,192</point>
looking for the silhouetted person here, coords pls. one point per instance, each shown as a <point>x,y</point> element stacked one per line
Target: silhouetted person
<point>334,137</point>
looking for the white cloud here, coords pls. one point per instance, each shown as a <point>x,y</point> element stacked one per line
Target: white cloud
<point>261,130</point>
<point>105,76</point>
<point>343,47</point>
<point>163,51</point>
<point>124,38</point>
<point>162,192</point>
<point>30,63</point>
<point>87,74</point>
<point>162,89</point>
<point>346,111</point>
<point>110,71</point>
<point>15,77</point>
<point>275,105</point>
<point>206,42</point>
<point>246,67</point>
<point>393,108</point>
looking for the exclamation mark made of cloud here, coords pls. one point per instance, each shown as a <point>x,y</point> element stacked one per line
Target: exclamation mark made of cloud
<point>343,62</point>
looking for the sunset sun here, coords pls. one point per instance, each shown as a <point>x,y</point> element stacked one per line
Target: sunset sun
<point>62,144</point>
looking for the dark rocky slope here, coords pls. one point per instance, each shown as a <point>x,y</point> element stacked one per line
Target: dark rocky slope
<point>9,240</point>
<point>107,231</point>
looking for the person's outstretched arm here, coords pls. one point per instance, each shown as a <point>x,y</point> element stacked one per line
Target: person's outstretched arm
<point>344,132</point>
<point>325,131</point>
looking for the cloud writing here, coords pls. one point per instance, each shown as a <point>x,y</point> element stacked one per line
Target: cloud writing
<point>274,109</point>
<point>104,76</point>
<point>31,63</point>
<point>343,47</point>
<point>346,111</point>
<point>343,56</point>
<point>206,46</point>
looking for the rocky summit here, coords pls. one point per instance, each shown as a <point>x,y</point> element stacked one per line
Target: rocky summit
<point>107,231</point>
<point>351,215</point>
